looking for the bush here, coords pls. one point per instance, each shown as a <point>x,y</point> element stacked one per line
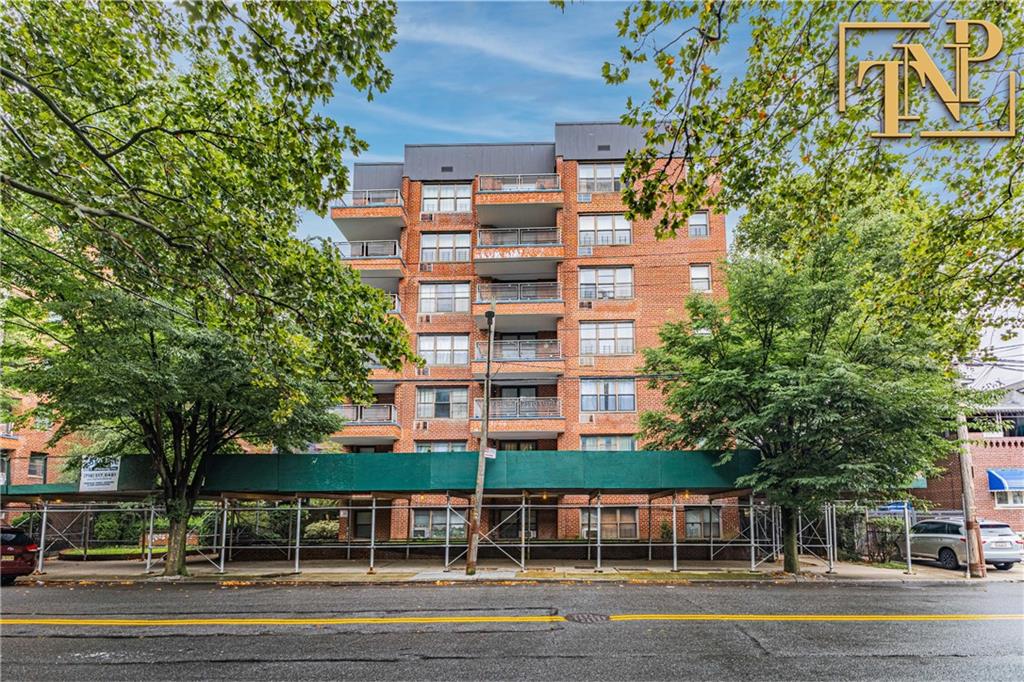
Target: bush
<point>321,530</point>
<point>885,539</point>
<point>666,529</point>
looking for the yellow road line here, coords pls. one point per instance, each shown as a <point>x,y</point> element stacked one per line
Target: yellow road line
<point>625,617</point>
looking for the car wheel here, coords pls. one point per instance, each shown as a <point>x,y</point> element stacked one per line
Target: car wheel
<point>947,558</point>
<point>7,579</point>
<point>1005,566</point>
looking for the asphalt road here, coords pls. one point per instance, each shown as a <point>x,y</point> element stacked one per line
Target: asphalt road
<point>549,632</point>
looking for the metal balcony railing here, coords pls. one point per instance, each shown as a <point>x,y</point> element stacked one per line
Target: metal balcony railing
<point>523,349</point>
<point>386,248</point>
<point>520,408</point>
<point>513,292</point>
<point>368,414</point>
<point>600,292</point>
<point>540,182</point>
<point>517,236</point>
<point>365,198</point>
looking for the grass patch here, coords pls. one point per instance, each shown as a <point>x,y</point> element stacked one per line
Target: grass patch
<point>116,552</point>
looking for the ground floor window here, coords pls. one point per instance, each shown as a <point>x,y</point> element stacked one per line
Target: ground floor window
<point>605,443</point>
<point>362,524</point>
<point>507,523</point>
<point>430,523</point>
<point>617,523</point>
<point>37,465</point>
<point>1009,498</point>
<point>703,522</point>
<point>441,446</point>
<point>517,445</point>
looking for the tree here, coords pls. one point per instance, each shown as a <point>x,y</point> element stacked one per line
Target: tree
<point>745,138</point>
<point>803,364</point>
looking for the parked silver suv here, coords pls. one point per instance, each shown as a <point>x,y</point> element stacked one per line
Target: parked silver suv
<point>945,541</point>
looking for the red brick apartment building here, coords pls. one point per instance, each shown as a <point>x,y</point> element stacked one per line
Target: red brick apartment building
<point>538,230</point>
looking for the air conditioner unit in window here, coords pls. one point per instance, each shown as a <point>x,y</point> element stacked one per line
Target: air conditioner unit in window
<point>419,533</point>
<point>586,361</point>
<point>426,217</point>
<point>423,371</point>
<point>586,305</point>
<point>583,198</point>
<point>426,267</point>
<point>585,251</point>
<point>587,419</point>
<point>531,535</point>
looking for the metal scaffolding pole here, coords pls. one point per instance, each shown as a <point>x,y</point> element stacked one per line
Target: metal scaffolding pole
<point>650,531</point>
<point>522,532</point>
<point>752,532</point>
<point>223,535</point>
<point>42,540</point>
<point>447,529</point>
<point>906,535</point>
<point>675,537</point>
<point>373,530</point>
<point>830,551</point>
<point>149,540</point>
<point>599,531</point>
<point>298,532</point>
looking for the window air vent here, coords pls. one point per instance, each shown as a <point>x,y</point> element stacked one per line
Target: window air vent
<point>422,425</point>
<point>423,319</point>
<point>585,251</point>
<point>587,419</point>
<point>447,169</point>
<point>586,305</point>
<point>426,217</point>
<point>423,371</point>
<point>604,147</point>
<point>583,198</point>
<point>426,267</point>
<point>586,361</point>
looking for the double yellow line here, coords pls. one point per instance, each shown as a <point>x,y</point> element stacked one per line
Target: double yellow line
<point>454,620</point>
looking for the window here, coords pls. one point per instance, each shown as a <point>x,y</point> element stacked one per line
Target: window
<point>614,395</point>
<point>442,403</point>
<point>606,338</point>
<point>606,283</point>
<point>607,443</point>
<point>444,349</point>
<point>449,297</point>
<point>999,424</point>
<point>508,523</point>
<point>450,247</point>
<point>37,465</point>
<point>430,523</point>
<point>703,522</point>
<point>698,224</point>
<point>522,445</point>
<point>362,524</point>
<point>599,177</point>
<point>441,446</point>
<point>447,198</point>
<point>1009,498</point>
<point>364,448</point>
<point>603,230</point>
<point>617,523</point>
<point>700,278</point>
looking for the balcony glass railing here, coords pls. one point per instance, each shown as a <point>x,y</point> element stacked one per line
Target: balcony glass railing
<point>387,248</point>
<point>522,349</point>
<point>517,236</point>
<point>516,292</point>
<point>365,198</point>
<point>540,182</point>
<point>520,408</point>
<point>368,414</point>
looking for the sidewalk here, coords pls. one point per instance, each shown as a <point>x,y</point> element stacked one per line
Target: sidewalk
<point>426,571</point>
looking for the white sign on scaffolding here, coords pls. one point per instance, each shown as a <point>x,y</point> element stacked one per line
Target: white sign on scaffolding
<point>490,453</point>
<point>99,478</point>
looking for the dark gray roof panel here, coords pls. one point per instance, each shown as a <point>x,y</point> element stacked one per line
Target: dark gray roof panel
<point>425,162</point>
<point>596,141</point>
<point>377,176</point>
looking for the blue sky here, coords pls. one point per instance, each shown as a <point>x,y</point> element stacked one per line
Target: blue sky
<point>486,72</point>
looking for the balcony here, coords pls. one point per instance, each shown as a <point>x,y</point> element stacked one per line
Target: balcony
<point>369,213</point>
<point>534,251</point>
<point>376,260</point>
<point>520,417</point>
<point>367,424</point>
<point>527,359</point>
<point>518,200</point>
<point>521,306</point>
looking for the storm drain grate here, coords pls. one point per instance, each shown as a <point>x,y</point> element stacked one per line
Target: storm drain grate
<point>587,618</point>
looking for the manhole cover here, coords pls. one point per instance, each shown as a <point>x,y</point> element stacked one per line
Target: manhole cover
<point>587,618</point>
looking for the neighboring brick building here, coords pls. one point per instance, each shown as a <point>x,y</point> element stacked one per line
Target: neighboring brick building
<point>25,456</point>
<point>1000,496</point>
<point>538,230</point>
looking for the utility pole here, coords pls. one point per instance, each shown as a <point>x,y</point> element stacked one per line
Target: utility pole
<point>481,460</point>
<point>974,561</point>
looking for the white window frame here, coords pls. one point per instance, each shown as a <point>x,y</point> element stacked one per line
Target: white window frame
<point>443,350</point>
<point>700,230</point>
<point>606,283</point>
<point>457,300</point>
<point>433,529</point>
<point>445,247</point>
<point>455,197</point>
<point>599,178</point>
<point>612,443</point>
<point>610,517</point>
<point>1009,499</point>
<point>458,402</point>
<point>607,337</point>
<point>441,446</point>
<point>608,392</point>
<point>710,518</point>
<point>697,283</point>
<point>604,229</point>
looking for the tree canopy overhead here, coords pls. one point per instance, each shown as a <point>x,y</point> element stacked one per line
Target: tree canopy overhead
<point>778,119</point>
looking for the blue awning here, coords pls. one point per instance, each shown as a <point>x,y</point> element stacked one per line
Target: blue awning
<point>1005,479</point>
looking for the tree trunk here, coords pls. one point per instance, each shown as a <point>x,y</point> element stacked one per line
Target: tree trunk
<point>790,549</point>
<point>178,512</point>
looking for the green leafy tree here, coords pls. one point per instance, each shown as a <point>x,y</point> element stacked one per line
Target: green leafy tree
<point>803,365</point>
<point>745,138</point>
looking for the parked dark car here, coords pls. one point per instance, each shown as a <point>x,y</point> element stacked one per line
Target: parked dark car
<point>17,554</point>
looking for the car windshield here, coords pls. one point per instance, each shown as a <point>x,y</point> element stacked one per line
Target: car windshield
<point>996,531</point>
